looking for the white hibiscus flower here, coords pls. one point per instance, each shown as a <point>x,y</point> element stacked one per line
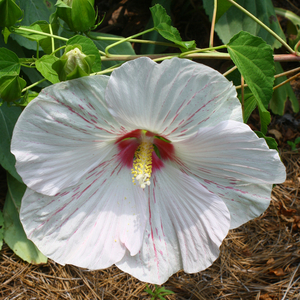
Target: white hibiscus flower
<point>147,169</point>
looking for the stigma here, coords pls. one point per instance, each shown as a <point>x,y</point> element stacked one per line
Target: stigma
<point>142,163</point>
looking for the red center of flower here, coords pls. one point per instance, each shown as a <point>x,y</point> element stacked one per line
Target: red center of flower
<point>144,152</point>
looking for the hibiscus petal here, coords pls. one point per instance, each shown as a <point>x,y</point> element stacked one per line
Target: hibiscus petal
<point>91,224</point>
<point>62,134</point>
<point>231,161</point>
<point>172,98</point>
<point>245,201</point>
<point>185,228</point>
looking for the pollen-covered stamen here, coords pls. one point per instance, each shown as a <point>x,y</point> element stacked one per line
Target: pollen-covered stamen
<point>142,164</point>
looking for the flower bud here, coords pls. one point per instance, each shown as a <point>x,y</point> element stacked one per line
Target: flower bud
<point>78,14</point>
<point>73,63</point>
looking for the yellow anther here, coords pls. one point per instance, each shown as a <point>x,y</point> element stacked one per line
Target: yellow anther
<point>142,164</point>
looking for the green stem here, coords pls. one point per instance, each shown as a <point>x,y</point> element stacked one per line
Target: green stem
<point>296,47</point>
<point>184,54</point>
<point>34,84</point>
<point>275,35</point>
<point>164,58</point>
<point>101,52</point>
<point>205,55</point>
<point>20,29</point>
<point>27,60</point>
<point>37,50</point>
<point>56,50</point>
<point>108,38</point>
<point>52,39</point>
<point>279,75</point>
<point>242,94</point>
<point>109,70</point>
<point>286,81</point>
<point>287,72</point>
<point>131,57</point>
<point>229,71</point>
<point>213,23</point>
<point>26,66</point>
<point>125,40</point>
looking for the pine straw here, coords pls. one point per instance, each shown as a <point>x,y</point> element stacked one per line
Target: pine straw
<point>260,260</point>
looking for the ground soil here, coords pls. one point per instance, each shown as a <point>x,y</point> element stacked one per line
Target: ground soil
<point>259,260</point>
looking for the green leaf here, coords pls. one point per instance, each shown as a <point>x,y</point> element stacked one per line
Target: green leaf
<point>6,33</point>
<point>1,229</point>
<point>280,95</point>
<point>34,75</point>
<point>121,49</point>
<point>250,104</point>
<point>154,35</point>
<point>222,7</point>
<point>8,118</point>
<point>11,87</point>
<point>9,63</point>
<point>37,10</point>
<point>162,23</point>
<point>88,48</point>
<point>254,59</point>
<point>14,234</point>
<point>265,119</point>
<point>234,20</point>
<point>270,141</point>
<point>40,26</point>
<point>31,35</point>
<point>31,74</point>
<point>44,66</point>
<point>16,190</point>
<point>46,43</point>
<point>34,10</point>
<point>10,13</point>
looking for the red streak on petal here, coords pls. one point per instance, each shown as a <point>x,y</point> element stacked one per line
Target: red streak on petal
<point>127,145</point>
<point>166,150</point>
<point>129,142</point>
<point>157,163</point>
<point>127,149</point>
<point>132,134</point>
<point>150,134</point>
